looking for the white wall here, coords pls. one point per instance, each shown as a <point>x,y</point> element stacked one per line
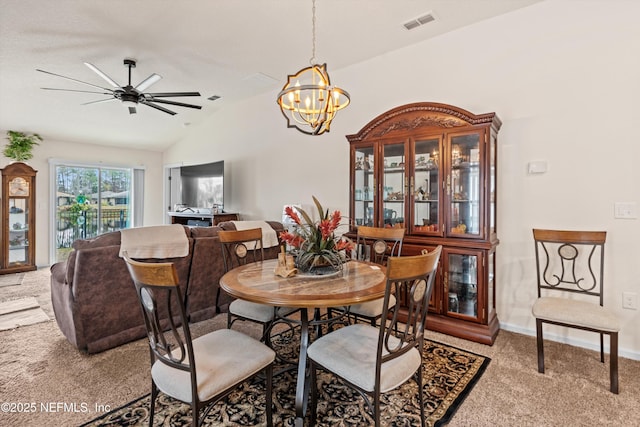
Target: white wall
<point>88,153</point>
<point>564,78</point>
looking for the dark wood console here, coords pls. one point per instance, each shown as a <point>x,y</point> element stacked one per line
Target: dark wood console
<point>202,220</point>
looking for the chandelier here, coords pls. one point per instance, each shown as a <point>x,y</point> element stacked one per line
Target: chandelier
<point>308,101</point>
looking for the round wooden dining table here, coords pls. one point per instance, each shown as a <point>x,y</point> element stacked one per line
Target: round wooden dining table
<point>359,281</point>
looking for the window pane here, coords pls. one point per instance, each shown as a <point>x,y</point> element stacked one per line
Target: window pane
<point>89,201</point>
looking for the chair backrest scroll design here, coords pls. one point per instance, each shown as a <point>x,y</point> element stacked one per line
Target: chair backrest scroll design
<point>570,261</point>
<point>240,247</point>
<point>378,244</point>
<point>157,288</point>
<point>417,275</point>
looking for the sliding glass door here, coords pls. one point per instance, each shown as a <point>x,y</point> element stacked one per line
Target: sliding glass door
<point>90,201</point>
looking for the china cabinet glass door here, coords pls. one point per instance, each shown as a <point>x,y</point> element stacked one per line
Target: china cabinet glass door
<point>491,283</point>
<point>425,184</point>
<point>394,183</point>
<point>364,186</point>
<point>18,232</point>
<point>461,283</point>
<point>17,235</point>
<point>492,185</point>
<point>463,185</point>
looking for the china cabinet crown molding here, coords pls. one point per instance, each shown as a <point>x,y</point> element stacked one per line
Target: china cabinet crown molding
<point>418,115</point>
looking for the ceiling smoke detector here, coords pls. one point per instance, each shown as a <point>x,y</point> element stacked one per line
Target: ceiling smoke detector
<point>421,20</point>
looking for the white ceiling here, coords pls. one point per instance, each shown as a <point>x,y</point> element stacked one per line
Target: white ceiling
<point>231,48</point>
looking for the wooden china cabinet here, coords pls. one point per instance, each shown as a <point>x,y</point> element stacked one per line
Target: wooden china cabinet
<point>18,218</point>
<point>431,169</point>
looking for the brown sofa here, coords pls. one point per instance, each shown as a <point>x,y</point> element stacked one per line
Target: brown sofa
<point>94,299</point>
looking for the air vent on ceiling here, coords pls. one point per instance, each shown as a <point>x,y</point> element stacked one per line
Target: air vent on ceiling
<point>421,20</point>
<point>214,97</point>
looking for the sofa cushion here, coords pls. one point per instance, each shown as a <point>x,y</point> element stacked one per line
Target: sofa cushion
<point>107,239</point>
<point>197,232</point>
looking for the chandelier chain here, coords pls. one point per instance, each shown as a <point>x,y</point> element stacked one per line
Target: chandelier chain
<point>308,100</point>
<point>313,33</point>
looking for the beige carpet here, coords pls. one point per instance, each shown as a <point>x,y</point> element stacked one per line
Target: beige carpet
<point>67,388</point>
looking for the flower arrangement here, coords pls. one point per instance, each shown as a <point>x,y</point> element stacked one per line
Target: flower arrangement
<point>315,245</point>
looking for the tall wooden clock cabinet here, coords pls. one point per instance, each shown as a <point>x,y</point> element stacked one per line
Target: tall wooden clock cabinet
<point>431,168</point>
<point>18,230</point>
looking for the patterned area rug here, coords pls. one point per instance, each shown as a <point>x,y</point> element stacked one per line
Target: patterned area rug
<point>449,375</point>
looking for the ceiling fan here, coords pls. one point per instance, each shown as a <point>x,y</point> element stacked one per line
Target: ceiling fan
<point>129,95</point>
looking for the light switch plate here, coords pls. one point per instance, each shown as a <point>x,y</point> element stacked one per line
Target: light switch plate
<point>625,210</point>
<point>539,166</point>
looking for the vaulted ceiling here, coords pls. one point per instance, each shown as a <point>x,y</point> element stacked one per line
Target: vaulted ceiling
<point>227,48</point>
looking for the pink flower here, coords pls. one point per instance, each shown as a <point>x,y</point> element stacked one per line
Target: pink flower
<point>344,245</point>
<point>291,213</point>
<point>292,239</point>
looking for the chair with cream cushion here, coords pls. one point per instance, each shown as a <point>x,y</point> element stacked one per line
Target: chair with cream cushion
<point>240,247</point>
<point>201,371</point>
<point>376,245</point>
<point>570,272</point>
<point>374,360</point>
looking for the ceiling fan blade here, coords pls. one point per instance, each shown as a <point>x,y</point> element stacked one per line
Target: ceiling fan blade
<point>153,78</point>
<point>157,107</point>
<point>169,94</point>
<point>75,90</point>
<point>99,101</point>
<point>101,74</point>
<point>75,80</point>
<point>180,104</point>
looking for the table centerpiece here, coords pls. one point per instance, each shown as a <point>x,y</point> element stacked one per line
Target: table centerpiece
<point>316,247</point>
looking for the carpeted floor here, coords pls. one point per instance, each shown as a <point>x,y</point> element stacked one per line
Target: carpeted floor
<point>67,388</point>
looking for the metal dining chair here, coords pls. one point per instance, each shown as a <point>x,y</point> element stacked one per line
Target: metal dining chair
<point>570,273</point>
<point>375,245</point>
<point>373,360</point>
<point>240,247</point>
<point>201,371</point>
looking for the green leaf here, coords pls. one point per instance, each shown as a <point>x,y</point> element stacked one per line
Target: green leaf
<point>20,145</point>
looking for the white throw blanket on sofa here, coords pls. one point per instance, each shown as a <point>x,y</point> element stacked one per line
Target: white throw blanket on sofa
<point>269,235</point>
<point>160,241</point>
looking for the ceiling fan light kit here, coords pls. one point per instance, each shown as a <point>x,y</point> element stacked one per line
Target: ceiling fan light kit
<point>307,100</point>
<point>129,95</point>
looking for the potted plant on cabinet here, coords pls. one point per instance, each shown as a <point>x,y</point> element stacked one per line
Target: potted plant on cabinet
<point>20,145</point>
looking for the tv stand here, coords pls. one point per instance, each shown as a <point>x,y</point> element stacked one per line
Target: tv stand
<point>201,219</point>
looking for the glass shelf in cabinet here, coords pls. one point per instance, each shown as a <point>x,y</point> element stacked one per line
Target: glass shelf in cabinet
<point>463,278</point>
<point>425,229</point>
<point>466,165</point>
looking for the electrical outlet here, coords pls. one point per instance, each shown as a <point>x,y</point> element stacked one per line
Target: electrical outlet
<point>630,300</point>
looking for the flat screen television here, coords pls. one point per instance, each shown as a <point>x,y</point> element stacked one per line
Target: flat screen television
<point>203,185</point>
